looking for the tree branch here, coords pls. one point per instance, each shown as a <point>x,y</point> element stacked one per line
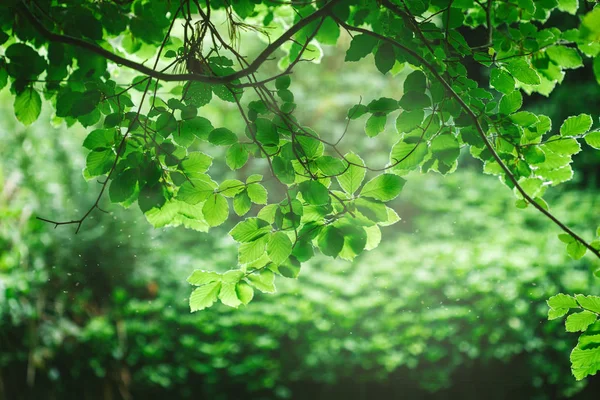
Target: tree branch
<point>478,127</point>
<point>252,68</point>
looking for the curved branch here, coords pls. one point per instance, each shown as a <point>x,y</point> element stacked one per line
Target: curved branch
<point>478,127</point>
<point>252,68</point>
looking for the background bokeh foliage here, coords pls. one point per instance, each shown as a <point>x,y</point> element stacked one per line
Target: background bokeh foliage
<point>451,305</point>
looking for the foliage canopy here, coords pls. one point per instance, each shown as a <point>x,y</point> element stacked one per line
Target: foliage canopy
<point>148,134</point>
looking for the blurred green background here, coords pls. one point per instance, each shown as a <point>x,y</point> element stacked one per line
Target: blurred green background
<point>451,305</point>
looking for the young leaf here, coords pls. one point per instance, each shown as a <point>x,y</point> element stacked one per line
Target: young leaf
<point>229,295</point>
<point>28,106</point>
<point>580,321</point>
<point>250,229</point>
<point>384,187</point>
<point>279,247</point>
<point>385,57</point>
<point>215,209</point>
<point>576,125</point>
<point>222,137</point>
<point>593,139</point>
<point>244,292</point>
<point>562,301</point>
<point>242,203</point>
<point>502,81</point>
<point>204,296</point>
<point>511,102</point>
<point>361,46</point>
<point>200,277</point>
<point>257,193</point>
<point>331,241</point>
<point>123,186</point>
<point>351,180</point>
<point>314,193</point>
<point>591,303</point>
<point>263,280</point>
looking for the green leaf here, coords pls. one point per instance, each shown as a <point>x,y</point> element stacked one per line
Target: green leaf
<point>520,70</point>
<point>562,301</point>
<point>357,111</point>
<point>585,362</point>
<point>266,132</point>
<point>151,197</point>
<point>197,94</point>
<point>590,26</point>
<point>314,193</point>
<point>511,102</point>
<point>576,250</point>
<point>384,187</point>
<point>593,139</point>
<point>591,303</point>
<point>236,156</point>
<point>204,296</point>
<point>200,277</point>
<point>176,213</point>
<point>564,57</point>
<point>303,250</point>
<point>244,292</point>
<point>279,247</point>
<point>409,120</point>
<point>385,57</point>
<point>196,190</point>
<point>229,295</point>
<point>283,170</point>
<point>99,162</point>
<point>166,124</point>
<point>222,137</point>
<point>123,186</point>
<point>576,125</point>
<point>562,145</point>
<point>351,180</point>
<point>100,139</point>
<point>250,230</point>
<point>579,322</point>
<point>252,251</point>
<point>231,187</point>
<point>215,209</point>
<point>445,148</point>
<point>25,62</point>
<point>243,8</point>
<point>330,166</point>
<point>555,313</point>
<point>242,203</point>
<point>569,6</point>
<point>28,106</point>
<point>329,32</point>
<point>383,105</point>
<point>196,164</point>
<point>407,156</point>
<point>375,125</point>
<point>331,241</point>
<point>257,193</point>
<point>361,46</point>
<point>414,101</point>
<point>502,81</point>
<point>200,127</point>
<point>283,82</point>
<point>416,81</point>
<point>263,280</point>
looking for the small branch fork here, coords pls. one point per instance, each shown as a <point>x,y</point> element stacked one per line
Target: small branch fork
<point>248,71</point>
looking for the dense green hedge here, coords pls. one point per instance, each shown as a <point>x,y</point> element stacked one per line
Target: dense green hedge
<point>105,311</point>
